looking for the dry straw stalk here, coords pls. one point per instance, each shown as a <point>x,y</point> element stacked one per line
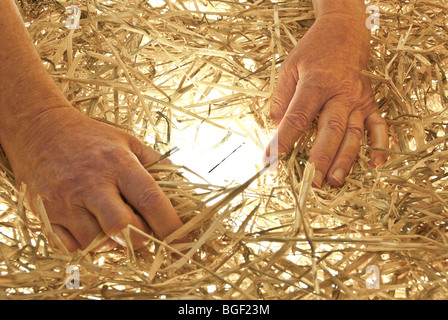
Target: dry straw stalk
<point>149,65</point>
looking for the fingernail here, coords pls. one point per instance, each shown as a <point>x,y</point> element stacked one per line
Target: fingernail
<point>119,238</point>
<point>318,179</point>
<point>377,163</point>
<point>339,176</point>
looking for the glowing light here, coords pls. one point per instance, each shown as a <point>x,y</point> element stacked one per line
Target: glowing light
<point>3,207</point>
<point>101,261</point>
<point>218,156</point>
<point>211,289</point>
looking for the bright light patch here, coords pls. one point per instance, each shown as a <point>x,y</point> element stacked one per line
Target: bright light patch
<point>211,288</point>
<point>3,207</point>
<point>219,156</point>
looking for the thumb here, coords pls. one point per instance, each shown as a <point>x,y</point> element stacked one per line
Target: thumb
<point>145,154</point>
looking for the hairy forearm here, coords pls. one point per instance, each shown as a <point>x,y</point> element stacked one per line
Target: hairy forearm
<point>350,28</point>
<point>26,89</point>
<point>356,8</point>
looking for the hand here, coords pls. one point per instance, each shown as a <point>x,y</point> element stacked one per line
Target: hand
<point>322,77</point>
<point>83,170</point>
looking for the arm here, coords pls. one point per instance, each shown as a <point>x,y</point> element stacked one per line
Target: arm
<point>356,8</point>
<point>25,87</point>
<point>80,167</point>
<point>322,77</point>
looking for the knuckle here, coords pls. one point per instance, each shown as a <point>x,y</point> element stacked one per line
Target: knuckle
<point>321,79</point>
<point>119,224</point>
<point>346,158</point>
<point>276,102</point>
<point>336,125</point>
<point>110,152</point>
<point>356,131</point>
<point>297,120</point>
<point>322,160</point>
<point>277,108</point>
<point>148,199</point>
<point>358,90</point>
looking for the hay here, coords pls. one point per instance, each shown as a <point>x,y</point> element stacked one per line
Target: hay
<point>153,66</point>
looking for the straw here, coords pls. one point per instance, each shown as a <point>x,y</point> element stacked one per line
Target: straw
<point>154,68</point>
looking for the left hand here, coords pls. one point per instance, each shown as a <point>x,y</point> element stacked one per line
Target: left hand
<point>91,178</point>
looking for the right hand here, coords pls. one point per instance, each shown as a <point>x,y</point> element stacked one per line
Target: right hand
<point>322,77</point>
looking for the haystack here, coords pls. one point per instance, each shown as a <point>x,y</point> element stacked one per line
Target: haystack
<point>161,69</point>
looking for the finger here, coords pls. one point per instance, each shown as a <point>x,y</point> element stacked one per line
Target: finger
<point>331,130</point>
<point>145,154</point>
<point>348,150</point>
<point>303,108</point>
<point>114,215</point>
<point>66,237</point>
<point>77,227</point>
<point>377,130</point>
<point>107,245</point>
<point>283,92</point>
<point>58,222</point>
<point>144,194</point>
<point>84,227</point>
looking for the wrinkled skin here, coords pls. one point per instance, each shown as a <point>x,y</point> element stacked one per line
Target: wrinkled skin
<point>90,174</point>
<point>322,77</point>
<point>84,170</point>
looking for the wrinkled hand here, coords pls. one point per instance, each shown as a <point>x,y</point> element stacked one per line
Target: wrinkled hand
<point>83,170</point>
<point>322,77</point>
